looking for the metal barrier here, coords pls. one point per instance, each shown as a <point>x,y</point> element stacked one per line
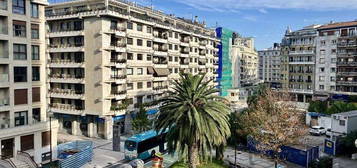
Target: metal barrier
<point>6,163</point>
<point>82,153</point>
<point>25,157</point>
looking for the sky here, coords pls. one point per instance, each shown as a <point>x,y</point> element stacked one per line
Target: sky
<point>265,20</point>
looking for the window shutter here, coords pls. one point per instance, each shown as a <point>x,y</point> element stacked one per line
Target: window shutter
<point>27,142</point>
<point>36,94</point>
<point>20,96</point>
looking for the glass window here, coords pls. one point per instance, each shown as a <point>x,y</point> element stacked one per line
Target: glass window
<point>19,28</point>
<point>342,122</point>
<point>130,25</point>
<point>27,142</point>
<point>148,30</point>
<point>139,42</point>
<point>78,25</point>
<point>148,84</point>
<point>36,114</point>
<point>129,56</point>
<point>139,27</point>
<point>34,10</point>
<point>140,57</point>
<point>20,74</point>
<point>113,25</point>
<point>18,6</point>
<point>35,73</point>
<point>129,41</point>
<point>35,52</point>
<point>140,85</point>
<point>148,57</point>
<point>129,71</point>
<point>148,43</point>
<point>20,52</point>
<point>129,86</point>
<point>140,71</point>
<point>20,118</point>
<point>35,32</point>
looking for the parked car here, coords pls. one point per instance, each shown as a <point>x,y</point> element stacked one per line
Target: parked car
<point>317,130</point>
<point>328,132</point>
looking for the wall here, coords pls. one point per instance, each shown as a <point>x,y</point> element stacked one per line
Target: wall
<point>352,124</point>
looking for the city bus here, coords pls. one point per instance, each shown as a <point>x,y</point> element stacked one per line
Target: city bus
<point>144,145</point>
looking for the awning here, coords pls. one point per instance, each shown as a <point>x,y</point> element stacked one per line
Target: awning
<point>162,71</point>
<point>119,117</point>
<point>152,111</point>
<point>150,70</point>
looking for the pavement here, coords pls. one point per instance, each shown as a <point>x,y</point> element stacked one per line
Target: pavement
<point>250,160</point>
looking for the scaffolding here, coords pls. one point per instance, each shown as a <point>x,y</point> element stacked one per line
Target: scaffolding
<point>225,78</point>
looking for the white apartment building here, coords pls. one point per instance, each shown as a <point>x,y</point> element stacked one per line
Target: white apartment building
<point>269,66</point>
<point>24,125</point>
<point>108,57</point>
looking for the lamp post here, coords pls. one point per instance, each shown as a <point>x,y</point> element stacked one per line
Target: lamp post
<point>50,115</point>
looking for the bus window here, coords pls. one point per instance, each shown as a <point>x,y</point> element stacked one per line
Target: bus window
<point>130,145</point>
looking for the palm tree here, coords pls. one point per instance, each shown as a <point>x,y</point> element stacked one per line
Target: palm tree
<point>198,119</point>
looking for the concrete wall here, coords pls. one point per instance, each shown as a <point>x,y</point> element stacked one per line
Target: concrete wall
<point>352,124</point>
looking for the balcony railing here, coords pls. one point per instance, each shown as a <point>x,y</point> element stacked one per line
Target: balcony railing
<point>347,73</point>
<point>342,44</point>
<point>350,83</point>
<point>347,63</point>
<point>302,52</point>
<point>118,61</point>
<point>4,77</point>
<point>66,76</point>
<point>116,92</point>
<point>66,106</point>
<point>67,91</point>
<point>66,45</point>
<point>160,87</point>
<point>118,76</point>
<point>4,102</point>
<point>66,61</point>
<point>118,107</point>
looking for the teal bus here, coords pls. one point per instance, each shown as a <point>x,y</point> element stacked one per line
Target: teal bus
<point>144,145</point>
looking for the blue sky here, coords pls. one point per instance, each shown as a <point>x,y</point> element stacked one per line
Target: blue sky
<point>266,20</point>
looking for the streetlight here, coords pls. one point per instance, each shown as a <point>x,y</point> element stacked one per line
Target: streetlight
<point>50,115</point>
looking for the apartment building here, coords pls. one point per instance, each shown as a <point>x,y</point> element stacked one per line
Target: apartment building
<point>24,125</point>
<point>238,66</point>
<point>269,66</point>
<point>109,57</point>
<point>298,62</point>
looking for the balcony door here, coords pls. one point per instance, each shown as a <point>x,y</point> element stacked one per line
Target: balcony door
<point>7,148</point>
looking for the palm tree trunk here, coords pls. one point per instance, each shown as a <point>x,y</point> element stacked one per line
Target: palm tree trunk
<point>219,152</point>
<point>193,156</point>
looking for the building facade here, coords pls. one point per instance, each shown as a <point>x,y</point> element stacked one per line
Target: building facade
<point>269,66</point>
<point>109,57</point>
<point>298,62</point>
<point>24,125</point>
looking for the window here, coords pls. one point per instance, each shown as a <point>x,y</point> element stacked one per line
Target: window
<point>321,78</point>
<point>130,25</point>
<point>129,41</point>
<point>322,60</point>
<point>35,33</point>
<point>140,71</point>
<point>342,122</point>
<point>36,94</point>
<point>35,73</point>
<point>20,52</point>
<point>322,52</point>
<point>19,28</point>
<point>139,27</point>
<point>27,142</point>
<point>20,118</point>
<point>170,58</point>
<point>148,30</point>
<point>176,47</point>
<point>139,56</point>
<point>176,35</point>
<point>139,42</point>
<point>322,87</point>
<point>20,96</point>
<point>46,136</point>
<point>322,69</point>
<point>20,74</point>
<point>34,10</point>
<point>35,52</point>
<point>140,85</point>
<point>333,41</point>
<point>333,60</point>
<point>333,70</point>
<point>36,114</point>
<point>333,51</point>
<point>332,78</point>
<point>129,56</point>
<point>148,84</point>
<point>78,25</point>
<point>170,46</point>
<point>148,44</point>
<point>129,71</point>
<point>148,57</point>
<point>129,86</point>
<point>18,6</point>
<point>113,25</point>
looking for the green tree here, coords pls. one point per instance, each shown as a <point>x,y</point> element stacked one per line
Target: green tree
<point>141,122</point>
<point>238,130</point>
<point>259,91</point>
<point>340,106</point>
<point>318,106</point>
<point>348,143</point>
<point>196,117</point>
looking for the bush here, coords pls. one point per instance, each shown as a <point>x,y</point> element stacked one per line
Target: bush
<point>348,143</point>
<point>323,162</point>
<point>204,164</point>
<point>318,106</point>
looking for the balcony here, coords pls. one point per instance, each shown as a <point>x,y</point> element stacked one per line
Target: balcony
<point>66,93</point>
<point>118,95</point>
<point>303,52</point>
<point>347,73</point>
<point>203,42</point>
<point>118,63</point>
<point>4,104</point>
<point>4,51</point>
<point>4,80</point>
<point>66,109</point>
<point>119,31</point>
<point>117,47</point>
<point>346,63</point>
<point>345,44</point>
<point>118,79</point>
<point>161,78</point>
<point>160,37</point>
<point>53,48</point>
<point>347,83</point>
<point>64,63</point>
<point>306,91</point>
<point>70,33</point>
<point>297,62</point>
<point>66,78</point>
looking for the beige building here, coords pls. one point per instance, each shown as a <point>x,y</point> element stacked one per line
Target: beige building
<point>244,70</point>
<point>24,125</point>
<point>108,57</point>
<point>269,66</point>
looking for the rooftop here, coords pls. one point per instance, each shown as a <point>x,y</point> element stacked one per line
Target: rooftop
<point>338,25</point>
<point>348,114</point>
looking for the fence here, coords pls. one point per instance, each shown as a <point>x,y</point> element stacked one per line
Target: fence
<point>75,154</point>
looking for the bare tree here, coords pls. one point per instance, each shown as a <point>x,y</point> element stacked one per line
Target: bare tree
<point>274,122</point>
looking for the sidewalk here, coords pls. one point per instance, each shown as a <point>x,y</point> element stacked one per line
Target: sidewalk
<point>250,160</point>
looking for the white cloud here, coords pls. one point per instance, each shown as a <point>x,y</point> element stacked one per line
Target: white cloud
<point>263,11</point>
<point>261,5</point>
<point>250,18</point>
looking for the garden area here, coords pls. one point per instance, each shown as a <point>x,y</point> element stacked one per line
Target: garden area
<point>208,164</point>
